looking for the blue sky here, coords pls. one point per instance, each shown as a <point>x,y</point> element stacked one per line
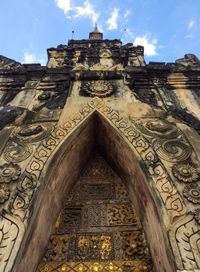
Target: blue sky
<point>167,28</point>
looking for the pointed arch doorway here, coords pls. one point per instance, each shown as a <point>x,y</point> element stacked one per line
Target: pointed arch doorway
<point>97,229</point>
<point>65,169</point>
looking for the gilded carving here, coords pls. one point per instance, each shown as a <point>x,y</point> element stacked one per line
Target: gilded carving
<point>70,220</point>
<point>118,266</point>
<point>185,172</point>
<point>91,247</point>
<point>121,191</point>
<point>133,244</point>
<point>57,248</point>
<point>98,169</point>
<point>9,172</point>
<point>97,225</point>
<point>95,190</point>
<point>121,215</point>
<point>94,216</point>
<point>192,193</point>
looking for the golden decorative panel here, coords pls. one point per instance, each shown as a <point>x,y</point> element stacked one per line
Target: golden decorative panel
<point>97,229</point>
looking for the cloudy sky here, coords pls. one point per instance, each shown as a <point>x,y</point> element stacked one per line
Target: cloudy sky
<point>167,29</point>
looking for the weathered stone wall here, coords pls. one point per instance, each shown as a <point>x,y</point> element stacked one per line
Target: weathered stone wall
<point>144,117</point>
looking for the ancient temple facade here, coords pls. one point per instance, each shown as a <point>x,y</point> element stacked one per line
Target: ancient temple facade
<point>100,161</point>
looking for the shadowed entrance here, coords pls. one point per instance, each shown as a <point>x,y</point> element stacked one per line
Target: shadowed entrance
<point>97,229</point>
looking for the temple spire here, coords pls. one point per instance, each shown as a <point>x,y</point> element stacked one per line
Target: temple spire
<point>96,34</point>
<point>96,28</point>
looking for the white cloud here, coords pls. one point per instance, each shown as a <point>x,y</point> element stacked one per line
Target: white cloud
<point>191,28</point>
<point>87,10</point>
<point>112,21</point>
<point>72,11</point>
<point>126,14</point>
<point>28,58</point>
<point>149,46</point>
<point>65,5</point>
<point>190,24</point>
<point>32,58</point>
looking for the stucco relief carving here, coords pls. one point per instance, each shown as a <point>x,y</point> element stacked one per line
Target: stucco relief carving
<point>171,146</point>
<point>20,205</point>
<point>17,188</point>
<point>170,197</point>
<point>33,133</point>
<point>17,151</point>
<point>99,88</point>
<point>139,137</point>
<point>192,193</point>
<point>9,172</point>
<point>156,127</point>
<point>98,67</point>
<point>4,193</point>
<point>167,140</point>
<point>173,150</point>
<point>9,175</point>
<point>10,231</point>
<point>186,172</point>
<point>185,237</point>
<point>19,146</point>
<point>197,215</point>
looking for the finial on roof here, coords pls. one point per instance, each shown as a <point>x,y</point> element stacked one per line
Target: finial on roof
<point>96,34</point>
<point>96,28</point>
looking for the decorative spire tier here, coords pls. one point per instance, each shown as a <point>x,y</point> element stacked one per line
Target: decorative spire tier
<point>96,34</point>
